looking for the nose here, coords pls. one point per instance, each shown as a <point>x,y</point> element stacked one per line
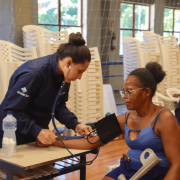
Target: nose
<point>126,96</point>
<point>79,76</point>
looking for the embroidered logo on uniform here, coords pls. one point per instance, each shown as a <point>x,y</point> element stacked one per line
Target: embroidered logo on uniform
<point>24,90</point>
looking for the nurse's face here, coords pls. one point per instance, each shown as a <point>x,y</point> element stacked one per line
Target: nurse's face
<point>76,70</point>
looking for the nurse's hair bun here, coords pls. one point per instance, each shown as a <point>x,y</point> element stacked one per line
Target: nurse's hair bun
<point>76,39</point>
<point>156,70</point>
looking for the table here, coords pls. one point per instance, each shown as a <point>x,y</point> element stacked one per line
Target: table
<point>29,156</point>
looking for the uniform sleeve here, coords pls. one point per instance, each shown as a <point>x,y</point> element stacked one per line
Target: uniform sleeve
<point>64,116</point>
<point>18,97</point>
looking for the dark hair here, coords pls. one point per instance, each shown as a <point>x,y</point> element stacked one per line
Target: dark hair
<point>75,49</point>
<point>149,76</point>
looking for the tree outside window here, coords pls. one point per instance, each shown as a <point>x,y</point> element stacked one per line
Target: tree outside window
<point>172,23</point>
<point>135,19</point>
<point>57,15</point>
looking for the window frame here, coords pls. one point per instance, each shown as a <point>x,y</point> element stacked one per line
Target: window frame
<point>133,21</point>
<point>172,20</point>
<point>59,25</point>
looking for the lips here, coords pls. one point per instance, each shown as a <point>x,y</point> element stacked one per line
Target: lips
<point>127,102</point>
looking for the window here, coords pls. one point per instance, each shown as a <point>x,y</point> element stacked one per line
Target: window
<point>172,23</point>
<point>134,20</point>
<point>56,15</point>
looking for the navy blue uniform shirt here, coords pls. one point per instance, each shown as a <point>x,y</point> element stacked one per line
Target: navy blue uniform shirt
<point>31,94</point>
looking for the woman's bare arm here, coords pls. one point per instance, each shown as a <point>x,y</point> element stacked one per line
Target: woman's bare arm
<point>81,143</point>
<point>169,131</point>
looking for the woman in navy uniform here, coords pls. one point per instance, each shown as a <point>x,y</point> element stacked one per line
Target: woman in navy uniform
<point>33,89</point>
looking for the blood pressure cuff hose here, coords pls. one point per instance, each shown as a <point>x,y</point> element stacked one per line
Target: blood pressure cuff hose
<point>108,128</point>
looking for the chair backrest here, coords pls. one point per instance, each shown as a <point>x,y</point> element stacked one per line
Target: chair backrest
<point>172,91</point>
<point>30,35</point>
<point>13,53</point>
<point>11,57</point>
<point>38,37</point>
<point>166,43</point>
<point>48,42</point>
<point>171,58</point>
<point>150,36</point>
<point>130,55</point>
<point>149,52</point>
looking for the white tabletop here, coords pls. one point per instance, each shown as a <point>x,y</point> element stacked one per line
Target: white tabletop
<point>31,156</point>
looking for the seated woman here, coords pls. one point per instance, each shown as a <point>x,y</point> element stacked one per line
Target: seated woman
<point>145,126</point>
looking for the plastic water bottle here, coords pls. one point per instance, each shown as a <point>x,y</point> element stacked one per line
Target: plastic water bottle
<point>9,128</point>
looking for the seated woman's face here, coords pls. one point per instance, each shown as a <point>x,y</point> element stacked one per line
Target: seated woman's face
<point>134,93</point>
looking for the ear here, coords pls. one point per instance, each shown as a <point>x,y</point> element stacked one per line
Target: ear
<point>148,92</point>
<point>68,62</point>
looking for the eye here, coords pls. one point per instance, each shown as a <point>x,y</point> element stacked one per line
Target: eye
<point>129,92</point>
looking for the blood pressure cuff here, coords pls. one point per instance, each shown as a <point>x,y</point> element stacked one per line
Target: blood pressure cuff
<point>108,128</point>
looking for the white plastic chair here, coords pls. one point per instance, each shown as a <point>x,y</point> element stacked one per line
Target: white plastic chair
<point>171,62</point>
<point>150,36</point>
<point>149,52</point>
<point>11,57</point>
<point>48,42</point>
<point>130,55</point>
<point>36,36</point>
<point>148,163</point>
<point>170,59</point>
<point>166,98</point>
<point>162,100</point>
<point>172,91</point>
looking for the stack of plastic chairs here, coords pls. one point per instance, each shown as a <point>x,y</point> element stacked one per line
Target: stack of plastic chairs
<point>149,36</point>
<point>89,91</point>
<point>130,55</point>
<point>171,60</point>
<point>30,36</point>
<point>11,57</point>
<point>42,39</point>
<point>150,52</point>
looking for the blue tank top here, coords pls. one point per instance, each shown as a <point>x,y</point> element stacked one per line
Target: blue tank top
<point>145,139</point>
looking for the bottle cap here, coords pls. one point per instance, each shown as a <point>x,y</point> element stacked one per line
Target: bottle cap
<point>9,112</point>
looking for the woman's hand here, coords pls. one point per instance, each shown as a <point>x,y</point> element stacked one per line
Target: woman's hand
<point>46,137</point>
<point>83,129</point>
<point>38,143</point>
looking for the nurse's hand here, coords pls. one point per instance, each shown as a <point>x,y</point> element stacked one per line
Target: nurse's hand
<point>83,129</point>
<point>46,137</point>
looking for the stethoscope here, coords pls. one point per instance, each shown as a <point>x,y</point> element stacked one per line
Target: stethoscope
<point>54,107</point>
<point>69,137</point>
